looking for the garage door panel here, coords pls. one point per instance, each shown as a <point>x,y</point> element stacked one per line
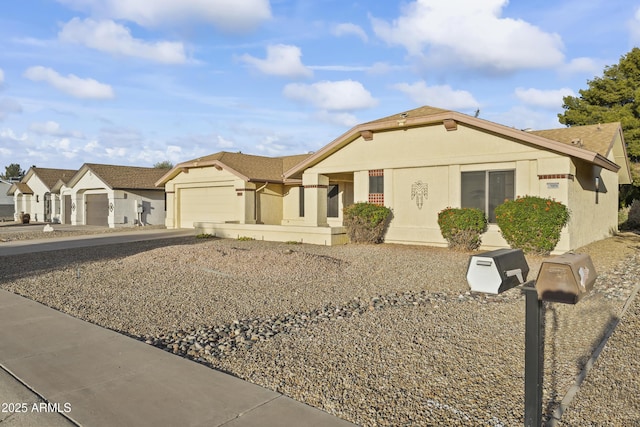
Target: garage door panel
<point>206,204</point>
<point>97,209</point>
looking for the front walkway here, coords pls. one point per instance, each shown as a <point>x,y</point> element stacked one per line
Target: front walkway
<point>96,377</point>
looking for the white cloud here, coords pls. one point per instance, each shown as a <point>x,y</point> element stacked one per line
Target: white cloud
<point>340,119</point>
<point>71,84</point>
<point>10,135</point>
<point>91,146</point>
<point>343,95</point>
<point>442,96</point>
<point>348,28</point>
<point>9,106</point>
<point>471,33</point>
<point>551,99</point>
<point>270,146</point>
<point>116,153</point>
<point>224,143</point>
<point>1,76</point>
<point>581,66</point>
<point>53,128</point>
<point>108,36</point>
<point>5,152</point>
<point>523,117</point>
<point>282,60</point>
<point>227,15</point>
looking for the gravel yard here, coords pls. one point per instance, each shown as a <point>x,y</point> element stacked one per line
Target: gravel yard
<point>381,335</point>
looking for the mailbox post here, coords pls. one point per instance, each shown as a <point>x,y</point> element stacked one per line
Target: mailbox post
<point>533,356</point>
<point>565,279</point>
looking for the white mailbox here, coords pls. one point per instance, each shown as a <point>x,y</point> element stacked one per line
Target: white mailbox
<point>496,271</point>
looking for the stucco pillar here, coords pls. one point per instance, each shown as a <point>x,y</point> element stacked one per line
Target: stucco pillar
<point>170,213</point>
<point>246,202</point>
<point>76,208</point>
<point>315,199</point>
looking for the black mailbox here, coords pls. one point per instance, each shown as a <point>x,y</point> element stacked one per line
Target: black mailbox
<point>496,271</point>
<point>566,278</point>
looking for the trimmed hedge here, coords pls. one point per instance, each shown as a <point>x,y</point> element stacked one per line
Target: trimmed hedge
<point>366,222</point>
<point>462,228</point>
<point>531,223</point>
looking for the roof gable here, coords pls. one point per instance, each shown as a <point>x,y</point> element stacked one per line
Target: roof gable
<point>49,176</point>
<point>425,116</point>
<point>248,167</point>
<point>121,177</point>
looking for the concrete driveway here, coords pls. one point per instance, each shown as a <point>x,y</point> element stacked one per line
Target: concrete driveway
<point>19,247</point>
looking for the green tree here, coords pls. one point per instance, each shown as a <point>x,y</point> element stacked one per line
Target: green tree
<point>614,97</point>
<point>13,171</point>
<point>165,164</point>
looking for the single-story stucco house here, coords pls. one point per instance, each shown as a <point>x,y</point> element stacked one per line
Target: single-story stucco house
<point>113,196</point>
<point>33,195</point>
<point>417,163</point>
<point>228,188</point>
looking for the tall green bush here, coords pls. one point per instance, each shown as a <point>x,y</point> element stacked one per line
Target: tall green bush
<point>462,228</point>
<point>531,223</point>
<point>366,222</point>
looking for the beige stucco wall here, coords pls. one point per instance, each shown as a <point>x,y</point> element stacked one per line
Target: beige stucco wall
<point>269,201</point>
<point>594,215</point>
<point>291,205</point>
<point>437,158</point>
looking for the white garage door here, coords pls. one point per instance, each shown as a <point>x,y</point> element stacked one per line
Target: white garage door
<point>97,209</point>
<point>208,204</point>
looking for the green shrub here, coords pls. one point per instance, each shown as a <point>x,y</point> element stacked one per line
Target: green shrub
<point>462,227</point>
<point>532,224</point>
<point>366,222</point>
<point>204,236</point>
<point>245,238</point>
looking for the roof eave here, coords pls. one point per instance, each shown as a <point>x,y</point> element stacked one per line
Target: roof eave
<point>193,164</point>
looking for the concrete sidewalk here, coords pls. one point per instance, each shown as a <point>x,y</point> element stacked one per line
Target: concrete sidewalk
<point>93,376</point>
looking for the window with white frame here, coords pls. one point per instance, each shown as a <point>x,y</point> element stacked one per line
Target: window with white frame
<point>486,190</point>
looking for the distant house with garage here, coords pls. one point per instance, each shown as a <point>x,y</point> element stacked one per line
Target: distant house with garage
<point>113,196</point>
<point>7,206</point>
<point>33,194</point>
<point>418,163</point>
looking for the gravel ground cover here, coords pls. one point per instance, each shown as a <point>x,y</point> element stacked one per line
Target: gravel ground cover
<point>382,335</point>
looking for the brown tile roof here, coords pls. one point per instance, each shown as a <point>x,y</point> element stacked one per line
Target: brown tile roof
<point>423,111</point>
<point>125,177</point>
<point>247,166</point>
<point>21,186</point>
<point>50,176</point>
<point>597,138</point>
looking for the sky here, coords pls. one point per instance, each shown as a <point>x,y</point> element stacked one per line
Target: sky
<point>137,82</point>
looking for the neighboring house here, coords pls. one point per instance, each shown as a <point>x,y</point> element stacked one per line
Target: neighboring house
<point>227,188</point>
<point>34,195</point>
<point>419,163</point>
<point>7,208</point>
<point>113,196</point>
